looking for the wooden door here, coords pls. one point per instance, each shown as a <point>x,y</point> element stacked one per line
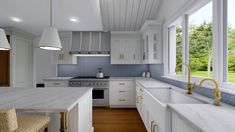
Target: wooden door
<point>5,67</point>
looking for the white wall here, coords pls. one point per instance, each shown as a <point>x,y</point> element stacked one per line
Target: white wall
<point>169,7</point>
<point>43,68</point>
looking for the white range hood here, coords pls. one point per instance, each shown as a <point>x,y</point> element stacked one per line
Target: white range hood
<point>91,44</point>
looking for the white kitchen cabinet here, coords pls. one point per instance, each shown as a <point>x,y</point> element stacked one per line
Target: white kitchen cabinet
<point>180,125</point>
<point>56,83</point>
<point>63,56</point>
<point>125,48</point>
<point>122,93</point>
<point>152,42</point>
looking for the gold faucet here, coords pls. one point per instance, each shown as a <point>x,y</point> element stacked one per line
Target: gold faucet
<point>190,86</point>
<point>217,93</point>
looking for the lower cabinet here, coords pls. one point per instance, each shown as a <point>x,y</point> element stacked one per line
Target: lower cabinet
<point>57,83</point>
<point>180,125</point>
<point>122,93</point>
<point>149,111</point>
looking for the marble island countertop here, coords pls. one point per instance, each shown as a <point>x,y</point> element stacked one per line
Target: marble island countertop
<point>207,117</point>
<point>41,99</point>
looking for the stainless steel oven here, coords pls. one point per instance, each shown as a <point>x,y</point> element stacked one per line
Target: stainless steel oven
<point>100,93</point>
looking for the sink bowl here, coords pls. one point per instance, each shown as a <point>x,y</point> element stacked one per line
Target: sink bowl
<point>171,96</point>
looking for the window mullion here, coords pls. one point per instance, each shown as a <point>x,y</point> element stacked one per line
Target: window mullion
<point>185,44</point>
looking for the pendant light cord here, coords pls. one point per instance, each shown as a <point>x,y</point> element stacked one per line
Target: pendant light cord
<point>51,13</point>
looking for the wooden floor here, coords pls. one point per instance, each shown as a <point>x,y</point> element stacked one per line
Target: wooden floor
<point>117,120</point>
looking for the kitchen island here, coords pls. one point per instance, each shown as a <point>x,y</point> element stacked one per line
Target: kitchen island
<point>74,105</point>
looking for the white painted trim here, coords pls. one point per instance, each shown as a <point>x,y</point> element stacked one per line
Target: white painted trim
<point>185,44</point>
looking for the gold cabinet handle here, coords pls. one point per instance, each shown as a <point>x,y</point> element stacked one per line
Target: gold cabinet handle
<point>137,99</point>
<point>134,56</point>
<point>120,56</point>
<point>121,100</point>
<point>153,126</point>
<point>59,56</point>
<point>122,91</point>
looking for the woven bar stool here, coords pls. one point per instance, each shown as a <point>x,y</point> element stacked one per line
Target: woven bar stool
<point>10,122</point>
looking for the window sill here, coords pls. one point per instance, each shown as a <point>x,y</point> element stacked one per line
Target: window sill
<point>224,87</point>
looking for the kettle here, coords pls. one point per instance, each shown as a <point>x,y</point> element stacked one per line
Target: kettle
<point>99,73</point>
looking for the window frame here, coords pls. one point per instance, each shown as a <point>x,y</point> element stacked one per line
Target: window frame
<point>219,51</point>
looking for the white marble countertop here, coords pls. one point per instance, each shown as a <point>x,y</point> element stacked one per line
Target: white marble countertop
<point>41,99</point>
<point>207,117</point>
<point>57,79</point>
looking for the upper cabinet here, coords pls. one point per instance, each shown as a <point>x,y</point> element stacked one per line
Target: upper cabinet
<point>90,43</point>
<point>152,42</point>
<point>126,48</point>
<point>63,56</point>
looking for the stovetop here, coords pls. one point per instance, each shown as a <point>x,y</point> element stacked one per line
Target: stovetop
<point>90,77</point>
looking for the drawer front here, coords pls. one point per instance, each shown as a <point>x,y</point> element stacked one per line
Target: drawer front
<point>122,85</point>
<point>122,98</point>
<point>56,83</point>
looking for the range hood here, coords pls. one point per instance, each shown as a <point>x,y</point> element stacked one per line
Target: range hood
<point>91,44</point>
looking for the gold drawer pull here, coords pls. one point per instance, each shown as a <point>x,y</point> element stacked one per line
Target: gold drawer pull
<point>56,83</point>
<point>122,91</point>
<point>122,100</point>
<point>153,126</point>
<point>122,84</point>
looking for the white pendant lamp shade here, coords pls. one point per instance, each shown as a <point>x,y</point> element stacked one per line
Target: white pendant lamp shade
<point>4,44</point>
<point>50,39</point>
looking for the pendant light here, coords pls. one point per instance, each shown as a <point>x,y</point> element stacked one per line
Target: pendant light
<point>4,44</point>
<point>50,38</point>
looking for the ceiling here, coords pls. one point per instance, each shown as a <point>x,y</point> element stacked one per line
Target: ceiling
<point>127,15</point>
<point>93,15</point>
<point>35,15</point>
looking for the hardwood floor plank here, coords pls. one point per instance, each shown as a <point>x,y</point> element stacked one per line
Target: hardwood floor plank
<point>117,120</point>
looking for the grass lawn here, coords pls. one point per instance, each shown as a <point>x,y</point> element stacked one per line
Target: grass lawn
<point>231,75</point>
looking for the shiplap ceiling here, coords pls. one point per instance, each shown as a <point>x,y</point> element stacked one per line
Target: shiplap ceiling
<point>127,15</point>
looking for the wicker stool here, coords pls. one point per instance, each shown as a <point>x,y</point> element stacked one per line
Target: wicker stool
<point>10,122</point>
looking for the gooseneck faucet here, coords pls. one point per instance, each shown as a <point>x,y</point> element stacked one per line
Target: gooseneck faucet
<point>190,86</point>
<point>217,93</point>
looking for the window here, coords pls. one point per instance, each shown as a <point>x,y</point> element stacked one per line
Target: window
<point>204,38</point>
<point>231,41</point>
<point>200,41</point>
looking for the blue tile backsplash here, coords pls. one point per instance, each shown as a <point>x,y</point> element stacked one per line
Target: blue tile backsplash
<point>87,66</point>
<point>157,72</point>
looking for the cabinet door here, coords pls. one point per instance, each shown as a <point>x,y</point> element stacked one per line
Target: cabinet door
<point>116,56</point>
<point>179,125</point>
<point>125,51</point>
<point>135,52</point>
<point>63,56</point>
